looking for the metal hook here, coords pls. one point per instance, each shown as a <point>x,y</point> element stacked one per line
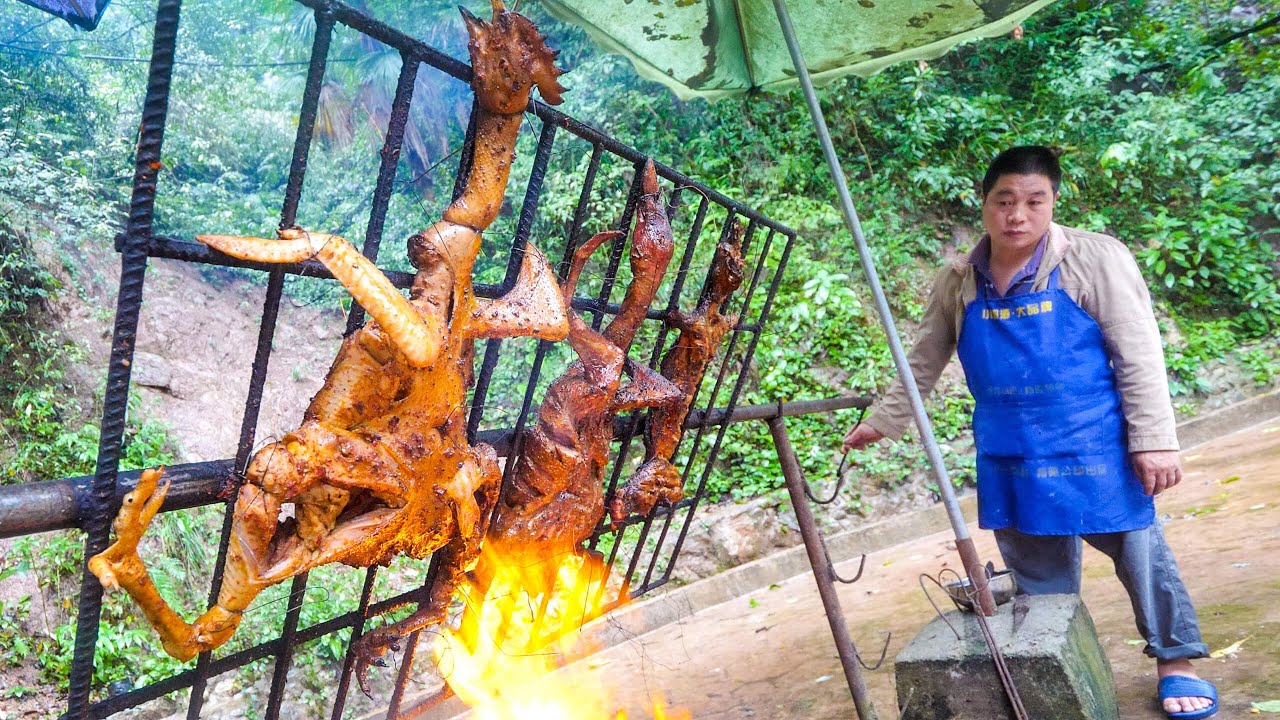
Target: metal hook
<point>861,564</point>
<point>937,581</point>
<point>884,651</point>
<point>840,470</point>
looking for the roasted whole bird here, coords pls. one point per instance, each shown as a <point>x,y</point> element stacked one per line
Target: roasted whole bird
<point>555,495</point>
<point>381,465</point>
<point>684,364</point>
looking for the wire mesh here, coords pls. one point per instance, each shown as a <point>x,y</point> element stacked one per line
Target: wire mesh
<point>511,374</point>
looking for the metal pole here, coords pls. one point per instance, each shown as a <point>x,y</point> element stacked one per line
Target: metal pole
<point>968,554</point>
<point>822,572</point>
<point>57,504</point>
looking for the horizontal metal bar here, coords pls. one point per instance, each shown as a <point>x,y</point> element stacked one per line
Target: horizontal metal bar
<point>768,411</point>
<point>55,505</point>
<point>114,704</point>
<point>31,508</point>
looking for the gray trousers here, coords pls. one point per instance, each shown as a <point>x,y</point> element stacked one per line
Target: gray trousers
<point>1044,564</point>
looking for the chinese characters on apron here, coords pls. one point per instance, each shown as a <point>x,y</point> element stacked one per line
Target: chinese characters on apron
<point>1051,441</point>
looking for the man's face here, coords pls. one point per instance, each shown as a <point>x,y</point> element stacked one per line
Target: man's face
<point>1017,212</point>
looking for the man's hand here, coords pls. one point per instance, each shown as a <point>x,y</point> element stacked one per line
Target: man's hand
<point>1159,470</point>
<point>860,436</point>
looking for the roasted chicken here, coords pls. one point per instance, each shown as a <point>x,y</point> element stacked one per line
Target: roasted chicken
<point>381,465</point>
<point>555,495</point>
<point>684,364</point>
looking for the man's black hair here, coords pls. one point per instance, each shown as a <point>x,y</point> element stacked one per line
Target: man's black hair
<point>1024,160</point>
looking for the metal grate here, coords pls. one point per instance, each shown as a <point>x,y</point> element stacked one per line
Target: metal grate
<point>640,551</point>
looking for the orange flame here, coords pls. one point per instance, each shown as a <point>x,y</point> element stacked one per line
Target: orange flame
<point>522,627</point>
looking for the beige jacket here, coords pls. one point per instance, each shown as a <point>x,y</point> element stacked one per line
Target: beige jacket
<point>1101,276</point>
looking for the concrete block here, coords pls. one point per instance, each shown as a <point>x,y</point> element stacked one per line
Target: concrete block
<point>1053,654</point>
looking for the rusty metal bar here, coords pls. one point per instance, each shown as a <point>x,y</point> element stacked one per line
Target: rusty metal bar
<point>390,153</point>
<point>54,505</point>
<point>822,571</point>
<point>133,269</point>
<point>357,630</point>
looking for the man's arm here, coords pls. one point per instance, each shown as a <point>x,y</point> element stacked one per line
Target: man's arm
<point>928,357</point>
<point>1119,300</point>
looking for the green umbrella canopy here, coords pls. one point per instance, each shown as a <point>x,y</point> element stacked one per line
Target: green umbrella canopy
<point>714,48</point>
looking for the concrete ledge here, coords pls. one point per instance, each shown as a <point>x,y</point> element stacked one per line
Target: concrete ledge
<point>673,605</point>
<point>1227,420</point>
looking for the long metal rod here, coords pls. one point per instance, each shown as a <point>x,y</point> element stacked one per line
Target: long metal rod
<point>99,504</point>
<point>56,504</point>
<point>822,571</point>
<point>968,554</point>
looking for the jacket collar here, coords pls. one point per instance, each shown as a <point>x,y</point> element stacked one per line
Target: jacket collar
<point>1055,249</point>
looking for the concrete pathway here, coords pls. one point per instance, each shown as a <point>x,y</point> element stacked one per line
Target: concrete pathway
<point>768,653</point>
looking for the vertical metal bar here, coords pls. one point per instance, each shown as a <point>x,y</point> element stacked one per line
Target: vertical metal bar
<point>133,269</point>
<point>822,571</point>
<point>615,255</point>
<point>402,677</point>
<point>266,330</point>
<point>972,565</point>
<point>357,630</point>
<point>297,594</point>
<point>481,393</point>
<point>410,641</point>
<point>468,157</point>
<point>635,554</point>
<point>529,208</point>
<point>584,204</point>
<point>391,147</point>
<point>307,116</point>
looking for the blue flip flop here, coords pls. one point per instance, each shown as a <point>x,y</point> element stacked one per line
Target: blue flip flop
<point>1173,686</point>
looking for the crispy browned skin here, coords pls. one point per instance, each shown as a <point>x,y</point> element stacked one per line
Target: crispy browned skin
<point>381,465</point>
<point>555,496</point>
<point>700,334</point>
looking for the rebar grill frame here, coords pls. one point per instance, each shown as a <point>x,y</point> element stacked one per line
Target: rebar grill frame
<point>95,499</point>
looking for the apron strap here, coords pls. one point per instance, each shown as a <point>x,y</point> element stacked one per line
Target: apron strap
<point>1053,279</point>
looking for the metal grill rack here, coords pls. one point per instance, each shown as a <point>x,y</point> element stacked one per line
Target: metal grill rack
<point>640,551</point>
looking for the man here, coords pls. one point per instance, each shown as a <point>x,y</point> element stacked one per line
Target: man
<point>1073,425</point>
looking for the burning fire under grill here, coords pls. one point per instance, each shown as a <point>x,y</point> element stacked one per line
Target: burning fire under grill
<point>509,658</point>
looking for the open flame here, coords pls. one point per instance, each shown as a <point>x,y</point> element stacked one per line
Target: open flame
<point>521,623</point>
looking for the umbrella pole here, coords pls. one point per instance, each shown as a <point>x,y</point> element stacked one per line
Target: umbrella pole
<point>964,543</point>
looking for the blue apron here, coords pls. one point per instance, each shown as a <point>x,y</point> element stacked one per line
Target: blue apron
<point>1052,446</point>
